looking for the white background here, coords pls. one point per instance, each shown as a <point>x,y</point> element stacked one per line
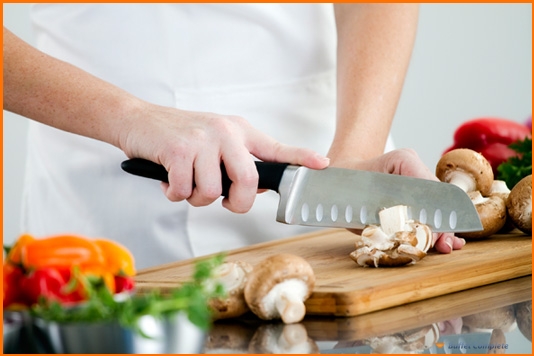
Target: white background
<point>469,60</point>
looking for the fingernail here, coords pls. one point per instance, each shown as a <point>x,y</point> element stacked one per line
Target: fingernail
<point>448,241</point>
<point>463,241</point>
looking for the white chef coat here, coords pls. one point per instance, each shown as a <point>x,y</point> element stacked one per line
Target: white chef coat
<point>273,64</point>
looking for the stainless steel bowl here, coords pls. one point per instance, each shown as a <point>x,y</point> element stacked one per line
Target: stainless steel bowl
<point>171,335</point>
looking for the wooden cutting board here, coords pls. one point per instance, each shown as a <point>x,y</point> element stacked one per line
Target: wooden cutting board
<point>345,289</point>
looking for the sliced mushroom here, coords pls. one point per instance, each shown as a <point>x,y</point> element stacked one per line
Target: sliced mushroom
<point>282,339</point>
<point>233,276</point>
<point>492,213</point>
<point>398,240</point>
<point>466,169</point>
<point>519,205</point>
<point>278,287</point>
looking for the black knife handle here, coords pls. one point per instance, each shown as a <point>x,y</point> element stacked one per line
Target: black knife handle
<point>270,173</point>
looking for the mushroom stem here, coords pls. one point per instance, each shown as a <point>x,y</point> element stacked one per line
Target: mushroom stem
<point>290,307</point>
<point>462,180</point>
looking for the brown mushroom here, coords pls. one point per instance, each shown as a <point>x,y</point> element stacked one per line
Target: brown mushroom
<point>233,277</point>
<point>492,213</point>
<point>410,341</point>
<point>519,205</point>
<point>466,169</point>
<point>499,318</point>
<point>523,316</point>
<point>282,339</point>
<point>278,287</point>
<point>398,240</point>
<point>500,188</point>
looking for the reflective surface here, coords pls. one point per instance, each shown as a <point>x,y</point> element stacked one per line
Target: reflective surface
<point>491,319</point>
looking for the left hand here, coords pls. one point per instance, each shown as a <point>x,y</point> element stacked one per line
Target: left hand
<point>405,162</point>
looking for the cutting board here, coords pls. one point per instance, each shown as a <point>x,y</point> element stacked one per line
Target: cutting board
<point>345,289</point>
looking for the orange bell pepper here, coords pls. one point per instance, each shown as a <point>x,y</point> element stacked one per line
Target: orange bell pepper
<point>61,251</point>
<point>119,260</point>
<point>14,255</point>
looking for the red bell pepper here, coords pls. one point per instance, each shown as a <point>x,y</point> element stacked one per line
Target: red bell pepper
<point>124,284</point>
<point>12,296</point>
<point>490,137</point>
<point>51,284</point>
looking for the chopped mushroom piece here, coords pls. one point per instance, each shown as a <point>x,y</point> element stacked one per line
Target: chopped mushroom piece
<point>492,213</point>
<point>466,169</point>
<point>233,276</point>
<point>396,242</point>
<point>519,205</point>
<point>278,287</point>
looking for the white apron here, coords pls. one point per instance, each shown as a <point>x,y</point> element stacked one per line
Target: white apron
<point>273,64</point>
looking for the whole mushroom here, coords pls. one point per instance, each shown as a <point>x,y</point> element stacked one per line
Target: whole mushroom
<point>278,287</point>
<point>410,341</point>
<point>523,316</point>
<point>398,240</point>
<point>466,169</point>
<point>492,213</point>
<point>233,276</point>
<point>519,205</point>
<point>282,339</point>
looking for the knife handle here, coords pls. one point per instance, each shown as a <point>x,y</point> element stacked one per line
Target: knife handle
<point>270,173</point>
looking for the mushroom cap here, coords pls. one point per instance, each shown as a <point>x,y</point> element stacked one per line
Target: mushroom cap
<point>523,317</point>
<point>233,276</point>
<point>271,272</point>
<point>469,163</point>
<point>519,205</point>
<point>228,337</point>
<point>492,213</point>
<point>498,318</point>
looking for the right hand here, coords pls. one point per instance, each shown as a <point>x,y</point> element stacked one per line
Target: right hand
<point>191,146</point>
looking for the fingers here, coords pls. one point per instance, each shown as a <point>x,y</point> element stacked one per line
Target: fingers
<point>268,149</point>
<point>242,172</point>
<point>447,242</point>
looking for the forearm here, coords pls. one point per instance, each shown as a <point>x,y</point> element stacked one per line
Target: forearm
<point>375,42</point>
<point>58,94</point>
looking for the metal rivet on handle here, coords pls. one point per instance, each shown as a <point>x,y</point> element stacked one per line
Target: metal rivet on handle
<point>437,218</point>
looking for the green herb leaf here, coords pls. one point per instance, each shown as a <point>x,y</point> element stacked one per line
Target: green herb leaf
<point>517,167</point>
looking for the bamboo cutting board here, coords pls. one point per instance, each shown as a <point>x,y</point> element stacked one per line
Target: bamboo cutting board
<point>345,289</point>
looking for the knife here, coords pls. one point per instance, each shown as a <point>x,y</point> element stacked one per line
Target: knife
<point>346,198</point>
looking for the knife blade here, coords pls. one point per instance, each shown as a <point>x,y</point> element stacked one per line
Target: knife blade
<point>347,198</point>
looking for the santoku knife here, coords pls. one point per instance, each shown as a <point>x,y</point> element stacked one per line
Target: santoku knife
<point>337,197</point>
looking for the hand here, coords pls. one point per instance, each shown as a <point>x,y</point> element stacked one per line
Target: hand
<point>191,146</point>
<point>405,162</point>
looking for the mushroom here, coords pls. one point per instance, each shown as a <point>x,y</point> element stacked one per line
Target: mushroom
<point>233,277</point>
<point>396,242</point>
<point>519,205</point>
<point>492,213</point>
<point>497,339</point>
<point>523,317</point>
<point>499,318</point>
<point>278,287</point>
<point>282,339</point>
<point>500,188</point>
<point>466,169</point>
<point>228,337</point>
<point>410,341</point>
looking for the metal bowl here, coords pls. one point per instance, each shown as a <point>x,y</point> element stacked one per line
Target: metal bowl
<point>170,335</point>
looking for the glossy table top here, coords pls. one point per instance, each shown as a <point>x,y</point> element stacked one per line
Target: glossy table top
<point>489,318</point>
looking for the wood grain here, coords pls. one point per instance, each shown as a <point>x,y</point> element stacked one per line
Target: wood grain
<point>345,289</point>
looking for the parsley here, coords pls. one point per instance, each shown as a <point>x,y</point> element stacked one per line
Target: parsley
<point>517,167</point>
<point>192,297</point>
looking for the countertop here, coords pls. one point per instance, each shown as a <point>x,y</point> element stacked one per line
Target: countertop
<point>444,324</point>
